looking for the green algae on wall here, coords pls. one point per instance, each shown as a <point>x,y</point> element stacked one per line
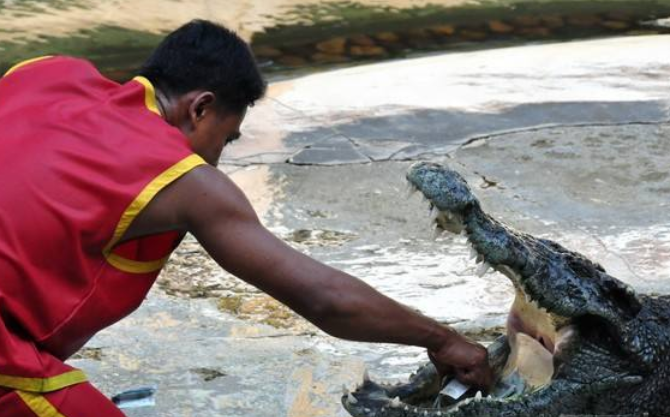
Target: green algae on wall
<point>320,21</point>
<point>346,32</point>
<point>32,6</point>
<point>118,52</point>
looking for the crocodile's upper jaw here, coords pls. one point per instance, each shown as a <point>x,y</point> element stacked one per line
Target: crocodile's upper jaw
<point>527,320</point>
<point>527,317</point>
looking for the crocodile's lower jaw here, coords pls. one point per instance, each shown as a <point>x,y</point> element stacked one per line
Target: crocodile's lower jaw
<point>528,363</point>
<point>533,334</point>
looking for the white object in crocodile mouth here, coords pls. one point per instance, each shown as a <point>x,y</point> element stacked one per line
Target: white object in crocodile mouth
<point>531,360</point>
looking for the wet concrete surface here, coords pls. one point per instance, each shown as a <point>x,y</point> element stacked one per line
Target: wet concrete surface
<point>407,109</point>
<point>578,155</point>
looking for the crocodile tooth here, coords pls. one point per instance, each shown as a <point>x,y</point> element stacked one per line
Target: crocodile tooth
<point>345,390</point>
<point>351,399</point>
<point>473,253</point>
<point>439,413</point>
<point>410,190</point>
<point>478,396</point>
<point>406,408</point>
<point>480,258</point>
<point>366,376</point>
<point>395,402</point>
<point>367,410</point>
<point>563,337</point>
<point>483,269</point>
<point>434,213</point>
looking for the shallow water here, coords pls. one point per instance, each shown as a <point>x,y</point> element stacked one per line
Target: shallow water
<point>436,277</point>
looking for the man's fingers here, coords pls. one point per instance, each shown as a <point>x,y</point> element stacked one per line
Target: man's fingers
<point>467,377</point>
<point>479,379</point>
<point>442,369</point>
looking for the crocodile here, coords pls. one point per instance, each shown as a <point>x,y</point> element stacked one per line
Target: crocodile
<point>578,340</point>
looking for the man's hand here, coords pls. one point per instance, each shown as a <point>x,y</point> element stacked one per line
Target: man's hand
<point>466,359</point>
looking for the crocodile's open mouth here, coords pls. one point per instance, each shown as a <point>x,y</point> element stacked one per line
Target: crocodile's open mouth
<point>524,361</point>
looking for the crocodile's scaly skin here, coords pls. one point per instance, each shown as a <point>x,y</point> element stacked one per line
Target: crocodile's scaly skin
<point>614,363</point>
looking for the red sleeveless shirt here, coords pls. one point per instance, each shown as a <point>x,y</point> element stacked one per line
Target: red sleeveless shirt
<point>80,157</point>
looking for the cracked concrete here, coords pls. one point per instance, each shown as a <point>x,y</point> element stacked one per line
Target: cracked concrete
<point>430,106</point>
<point>564,141</point>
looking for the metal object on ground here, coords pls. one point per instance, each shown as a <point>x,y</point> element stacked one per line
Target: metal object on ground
<point>136,398</point>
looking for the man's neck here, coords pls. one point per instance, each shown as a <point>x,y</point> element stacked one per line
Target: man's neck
<point>163,104</point>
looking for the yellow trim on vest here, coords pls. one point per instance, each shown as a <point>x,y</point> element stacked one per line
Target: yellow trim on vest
<point>137,267</point>
<point>149,94</point>
<point>26,62</point>
<point>39,405</point>
<point>134,209</point>
<point>42,385</point>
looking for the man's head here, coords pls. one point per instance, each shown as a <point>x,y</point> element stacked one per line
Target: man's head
<point>206,77</point>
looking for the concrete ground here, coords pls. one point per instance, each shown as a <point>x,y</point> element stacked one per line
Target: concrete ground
<point>565,141</point>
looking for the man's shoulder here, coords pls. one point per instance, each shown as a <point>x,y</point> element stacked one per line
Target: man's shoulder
<point>51,63</point>
<point>206,191</point>
<point>52,78</point>
<point>206,179</point>
<point>203,192</point>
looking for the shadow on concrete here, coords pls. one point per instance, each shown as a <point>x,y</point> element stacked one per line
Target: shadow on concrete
<point>408,134</point>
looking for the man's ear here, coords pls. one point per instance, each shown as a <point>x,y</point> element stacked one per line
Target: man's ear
<point>201,105</point>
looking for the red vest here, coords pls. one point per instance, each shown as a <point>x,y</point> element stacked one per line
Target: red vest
<point>80,157</point>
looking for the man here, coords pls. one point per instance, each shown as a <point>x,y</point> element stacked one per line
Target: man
<point>101,181</point>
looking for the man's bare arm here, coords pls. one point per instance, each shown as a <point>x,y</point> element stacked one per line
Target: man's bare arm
<point>218,214</point>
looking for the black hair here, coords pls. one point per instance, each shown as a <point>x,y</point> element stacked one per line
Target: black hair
<point>205,55</point>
